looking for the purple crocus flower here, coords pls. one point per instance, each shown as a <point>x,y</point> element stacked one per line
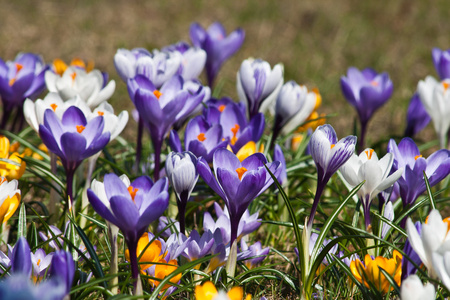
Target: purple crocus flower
<point>182,174</point>
<point>20,79</point>
<point>131,208</point>
<point>63,268</point>
<point>441,60</point>
<point>163,222</point>
<point>217,45</point>
<point>200,137</point>
<point>367,91</point>
<point>258,85</point>
<point>408,157</point>
<point>198,247</point>
<point>252,255</point>
<point>408,267</point>
<point>19,286</point>
<point>160,109</point>
<point>21,257</point>
<point>329,155</point>
<point>417,117</point>
<point>238,183</point>
<point>40,261</point>
<point>312,243</point>
<point>237,129</point>
<point>278,155</point>
<point>73,139</point>
<point>215,107</point>
<point>125,61</point>
<point>52,236</point>
<point>247,224</point>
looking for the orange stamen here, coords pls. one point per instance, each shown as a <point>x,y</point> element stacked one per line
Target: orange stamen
<point>234,130</point>
<point>13,80</point>
<point>100,113</point>
<point>53,106</point>
<point>18,67</point>
<point>38,262</point>
<point>222,107</point>
<point>240,171</point>
<point>417,156</point>
<point>369,153</point>
<point>201,137</point>
<point>80,128</point>
<point>446,85</point>
<point>78,62</point>
<point>332,146</point>
<point>132,192</point>
<point>74,75</point>
<point>374,83</point>
<point>157,93</point>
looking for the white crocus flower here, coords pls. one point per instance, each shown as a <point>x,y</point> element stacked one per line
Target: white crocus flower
<point>433,237</point>
<point>435,97</point>
<point>76,81</point>
<point>367,167</point>
<point>293,106</point>
<point>114,124</point>
<point>413,289</point>
<point>258,84</point>
<point>192,63</point>
<point>159,67</point>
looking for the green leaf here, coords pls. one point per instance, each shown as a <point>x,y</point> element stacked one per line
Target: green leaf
<point>22,226</point>
<point>430,194</point>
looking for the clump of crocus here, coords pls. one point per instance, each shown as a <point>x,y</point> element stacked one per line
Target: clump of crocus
<point>369,272</point>
<point>20,79</point>
<point>367,91</point>
<point>217,45</point>
<point>407,157</point>
<point>208,291</point>
<point>131,207</point>
<point>375,172</point>
<point>182,174</point>
<point>238,184</point>
<point>329,155</point>
<point>258,85</point>
<point>40,262</point>
<point>15,168</point>
<point>435,97</point>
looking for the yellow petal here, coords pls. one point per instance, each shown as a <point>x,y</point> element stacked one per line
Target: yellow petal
<point>236,293</point>
<point>246,150</point>
<point>4,147</point>
<point>9,207</point>
<point>207,291</point>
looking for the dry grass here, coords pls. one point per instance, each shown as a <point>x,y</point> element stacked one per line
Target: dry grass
<point>316,41</point>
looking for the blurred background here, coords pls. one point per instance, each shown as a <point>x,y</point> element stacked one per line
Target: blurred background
<point>315,40</point>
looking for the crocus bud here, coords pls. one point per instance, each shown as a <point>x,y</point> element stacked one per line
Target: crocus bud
<point>441,60</point>
<point>21,257</point>
<point>182,174</point>
<point>63,267</point>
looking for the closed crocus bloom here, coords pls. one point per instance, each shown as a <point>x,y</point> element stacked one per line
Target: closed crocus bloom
<point>367,167</point>
<point>182,174</point>
<point>435,97</point>
<point>294,105</point>
<point>278,155</point>
<point>91,87</point>
<point>329,155</point>
<point>413,289</point>
<point>217,45</point>
<point>192,62</point>
<point>238,184</point>
<point>370,271</point>
<point>431,238</point>
<point>10,197</point>
<point>63,268</point>
<point>21,257</point>
<point>131,207</point>
<point>208,291</point>
<point>258,84</point>
<point>417,117</point>
<point>367,91</point>
<point>441,60</point>
<point>408,158</point>
<point>20,79</point>
<point>125,61</point>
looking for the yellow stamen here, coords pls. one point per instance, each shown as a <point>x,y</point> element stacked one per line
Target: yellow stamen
<point>369,153</point>
<point>234,130</point>
<point>157,94</point>
<point>53,106</point>
<point>100,113</point>
<point>332,146</point>
<point>241,172</point>
<point>132,192</point>
<point>11,81</point>
<point>38,262</point>
<point>78,62</point>
<point>222,107</point>
<point>80,128</point>
<point>446,85</point>
<point>417,156</point>
<point>201,137</point>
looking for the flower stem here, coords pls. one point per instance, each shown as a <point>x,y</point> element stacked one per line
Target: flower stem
<point>139,144</point>
<point>132,247</point>
<point>319,191</point>
<point>69,187</point>
<point>182,213</point>
<point>362,136</point>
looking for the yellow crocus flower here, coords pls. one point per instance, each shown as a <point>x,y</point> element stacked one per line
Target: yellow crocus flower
<point>10,197</point>
<point>208,291</point>
<point>16,168</point>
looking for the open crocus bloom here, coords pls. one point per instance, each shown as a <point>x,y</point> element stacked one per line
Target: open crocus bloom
<point>10,197</point>
<point>435,97</point>
<point>375,172</point>
<point>75,81</point>
<point>238,184</point>
<point>369,272</point>
<point>258,84</point>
